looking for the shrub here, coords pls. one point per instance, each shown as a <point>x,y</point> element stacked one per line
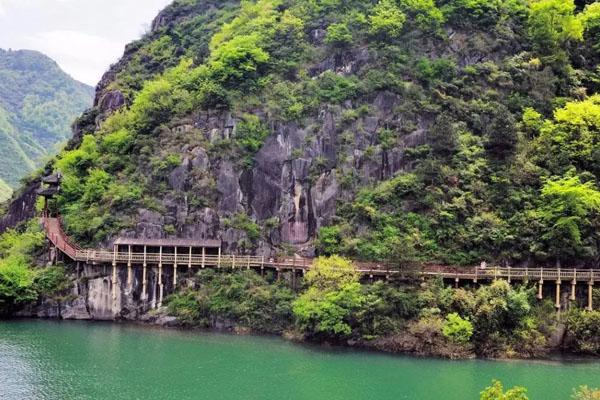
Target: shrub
<point>387,20</point>
<point>586,393</point>
<point>339,35</point>
<point>496,392</point>
<point>333,294</point>
<point>457,329</point>
<point>584,328</point>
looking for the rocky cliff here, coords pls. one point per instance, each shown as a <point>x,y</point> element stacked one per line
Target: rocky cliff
<point>413,131</point>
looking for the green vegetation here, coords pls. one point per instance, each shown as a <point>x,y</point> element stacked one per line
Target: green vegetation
<point>20,281</point>
<point>332,305</point>
<point>242,298</point>
<point>38,103</point>
<point>501,162</point>
<point>5,191</point>
<point>496,392</point>
<point>333,294</point>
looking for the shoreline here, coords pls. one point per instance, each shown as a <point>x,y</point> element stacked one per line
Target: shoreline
<point>552,357</point>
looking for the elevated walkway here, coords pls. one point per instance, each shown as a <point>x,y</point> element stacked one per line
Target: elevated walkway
<point>116,258</point>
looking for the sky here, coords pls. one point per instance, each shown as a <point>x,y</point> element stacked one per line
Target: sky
<point>84,36</point>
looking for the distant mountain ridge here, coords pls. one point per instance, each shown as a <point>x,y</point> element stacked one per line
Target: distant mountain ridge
<point>38,103</point>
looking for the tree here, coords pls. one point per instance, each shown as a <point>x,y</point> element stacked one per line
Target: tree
<point>333,294</point>
<point>496,392</point>
<point>457,329</point>
<point>586,393</point>
<point>387,20</point>
<point>572,137</point>
<point>339,35</point>
<point>567,209</point>
<point>552,23</point>
<point>590,18</point>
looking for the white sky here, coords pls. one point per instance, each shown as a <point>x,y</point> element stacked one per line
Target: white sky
<point>83,36</point>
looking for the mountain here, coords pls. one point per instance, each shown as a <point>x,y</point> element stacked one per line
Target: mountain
<point>38,103</point>
<point>447,131</point>
<point>5,191</point>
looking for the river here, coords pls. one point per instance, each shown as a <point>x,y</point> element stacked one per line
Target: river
<point>80,360</point>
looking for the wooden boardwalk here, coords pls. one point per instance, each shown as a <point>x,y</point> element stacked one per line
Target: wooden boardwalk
<point>60,240</point>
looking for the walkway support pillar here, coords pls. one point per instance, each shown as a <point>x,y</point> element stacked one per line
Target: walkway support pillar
<point>144,283</point>
<point>129,270</point>
<point>114,273</point>
<point>540,294</point>
<point>203,257</point>
<point>160,282</point>
<point>558,283</point>
<point>590,306</point>
<point>219,259</point>
<point>175,270</point>
<point>145,278</point>
<point>573,288</point>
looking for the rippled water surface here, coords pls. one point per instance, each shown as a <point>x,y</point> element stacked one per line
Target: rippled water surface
<point>79,360</point>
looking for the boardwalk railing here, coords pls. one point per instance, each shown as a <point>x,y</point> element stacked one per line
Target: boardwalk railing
<point>56,235</point>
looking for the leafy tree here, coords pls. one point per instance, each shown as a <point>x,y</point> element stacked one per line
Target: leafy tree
<point>590,18</point>
<point>567,210</point>
<point>552,23</point>
<point>586,393</point>
<point>572,137</point>
<point>584,328</point>
<point>423,13</point>
<point>339,35</point>
<point>496,392</point>
<point>457,329</point>
<point>387,20</point>
<point>333,294</point>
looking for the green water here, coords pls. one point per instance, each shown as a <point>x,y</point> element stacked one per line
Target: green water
<point>77,360</point>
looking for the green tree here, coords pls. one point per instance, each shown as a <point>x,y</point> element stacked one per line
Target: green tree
<point>339,35</point>
<point>586,393</point>
<point>387,20</point>
<point>457,329</point>
<point>552,23</point>
<point>568,206</point>
<point>333,293</point>
<point>496,392</point>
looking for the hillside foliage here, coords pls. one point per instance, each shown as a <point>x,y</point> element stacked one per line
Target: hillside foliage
<point>502,93</point>
<point>38,104</point>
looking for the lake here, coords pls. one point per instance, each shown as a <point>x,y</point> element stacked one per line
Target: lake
<point>85,360</point>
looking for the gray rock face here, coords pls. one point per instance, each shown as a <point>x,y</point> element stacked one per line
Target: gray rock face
<point>111,101</point>
<point>21,208</point>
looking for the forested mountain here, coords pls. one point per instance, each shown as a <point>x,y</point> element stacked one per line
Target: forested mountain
<point>413,130</point>
<point>38,103</point>
<point>407,131</point>
<point>5,191</point>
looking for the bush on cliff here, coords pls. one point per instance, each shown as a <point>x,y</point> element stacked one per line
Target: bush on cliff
<point>241,299</point>
<point>20,281</point>
<point>583,330</point>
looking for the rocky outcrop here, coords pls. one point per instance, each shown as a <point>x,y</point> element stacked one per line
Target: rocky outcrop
<point>21,208</point>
